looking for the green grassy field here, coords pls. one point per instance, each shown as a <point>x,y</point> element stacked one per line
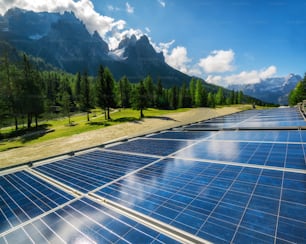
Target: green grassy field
<point>53,129</point>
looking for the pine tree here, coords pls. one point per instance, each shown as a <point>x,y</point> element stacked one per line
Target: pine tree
<point>85,101</point>
<point>220,97</point>
<point>105,91</point>
<point>78,87</point>
<point>149,86</point>
<point>31,92</point>
<point>124,92</point>
<point>192,91</point>
<point>173,98</point>
<point>211,100</point>
<point>160,98</point>
<point>199,93</point>
<point>140,98</point>
<point>109,92</point>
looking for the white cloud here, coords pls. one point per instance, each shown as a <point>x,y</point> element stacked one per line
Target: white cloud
<point>251,77</point>
<point>129,8</point>
<point>147,29</point>
<point>83,9</point>
<point>178,58</point>
<point>162,3</point>
<point>218,61</point>
<point>113,8</point>
<point>244,77</point>
<point>214,79</point>
<point>116,37</point>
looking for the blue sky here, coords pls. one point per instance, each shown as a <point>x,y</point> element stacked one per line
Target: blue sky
<point>224,42</point>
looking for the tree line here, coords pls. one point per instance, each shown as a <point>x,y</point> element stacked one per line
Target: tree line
<point>298,94</point>
<point>28,94</point>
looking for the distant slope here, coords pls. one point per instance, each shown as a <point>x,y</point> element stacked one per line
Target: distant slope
<point>272,90</point>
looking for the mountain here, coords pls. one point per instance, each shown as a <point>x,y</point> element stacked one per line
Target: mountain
<point>63,41</point>
<point>272,90</point>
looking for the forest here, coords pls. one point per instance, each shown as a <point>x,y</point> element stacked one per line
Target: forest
<point>298,94</point>
<point>29,94</point>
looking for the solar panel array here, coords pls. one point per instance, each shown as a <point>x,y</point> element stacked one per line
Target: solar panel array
<point>198,183</point>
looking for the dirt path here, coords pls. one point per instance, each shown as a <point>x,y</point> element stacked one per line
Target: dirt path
<point>103,135</point>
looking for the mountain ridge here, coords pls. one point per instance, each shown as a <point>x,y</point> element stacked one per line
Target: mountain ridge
<point>64,41</point>
<point>274,90</point>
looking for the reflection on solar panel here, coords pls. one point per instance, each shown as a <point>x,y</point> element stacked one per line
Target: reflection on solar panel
<point>263,136</point>
<point>244,184</point>
<point>217,202</point>
<point>255,119</point>
<point>24,196</point>
<point>84,221</point>
<point>91,170</point>
<point>270,154</point>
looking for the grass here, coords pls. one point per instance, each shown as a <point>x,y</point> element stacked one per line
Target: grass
<point>53,129</point>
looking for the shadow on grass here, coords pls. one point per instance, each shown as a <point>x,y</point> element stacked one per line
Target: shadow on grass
<point>9,148</point>
<point>27,134</point>
<point>35,133</point>
<point>160,117</point>
<point>98,123</point>
<point>126,119</point>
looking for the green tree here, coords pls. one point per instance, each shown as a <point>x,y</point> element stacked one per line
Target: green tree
<point>192,91</point>
<point>298,94</point>
<point>184,97</point>
<point>105,91</point>
<point>173,98</point>
<point>140,98</point>
<point>124,92</point>
<point>77,88</point>
<point>10,92</point>
<point>211,100</point>
<point>161,101</point>
<point>85,101</point>
<point>109,91</point>
<point>31,92</point>
<point>220,96</point>
<point>199,94</point>
<point>149,86</point>
<point>239,97</point>
<point>66,105</point>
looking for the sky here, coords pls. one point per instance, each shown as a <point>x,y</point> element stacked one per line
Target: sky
<point>222,41</point>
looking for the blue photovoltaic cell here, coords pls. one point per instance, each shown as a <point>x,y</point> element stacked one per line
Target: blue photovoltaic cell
<point>199,135</point>
<point>270,154</point>
<point>268,136</point>
<point>151,146</point>
<point>287,117</point>
<point>219,203</point>
<point>91,170</point>
<point>84,221</point>
<point>24,196</point>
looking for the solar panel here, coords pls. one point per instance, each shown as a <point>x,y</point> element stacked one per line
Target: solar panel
<point>219,203</point>
<point>85,221</point>
<point>199,135</point>
<point>150,146</point>
<point>271,154</point>
<point>91,170</point>
<point>24,196</point>
<point>278,118</point>
<point>262,136</point>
